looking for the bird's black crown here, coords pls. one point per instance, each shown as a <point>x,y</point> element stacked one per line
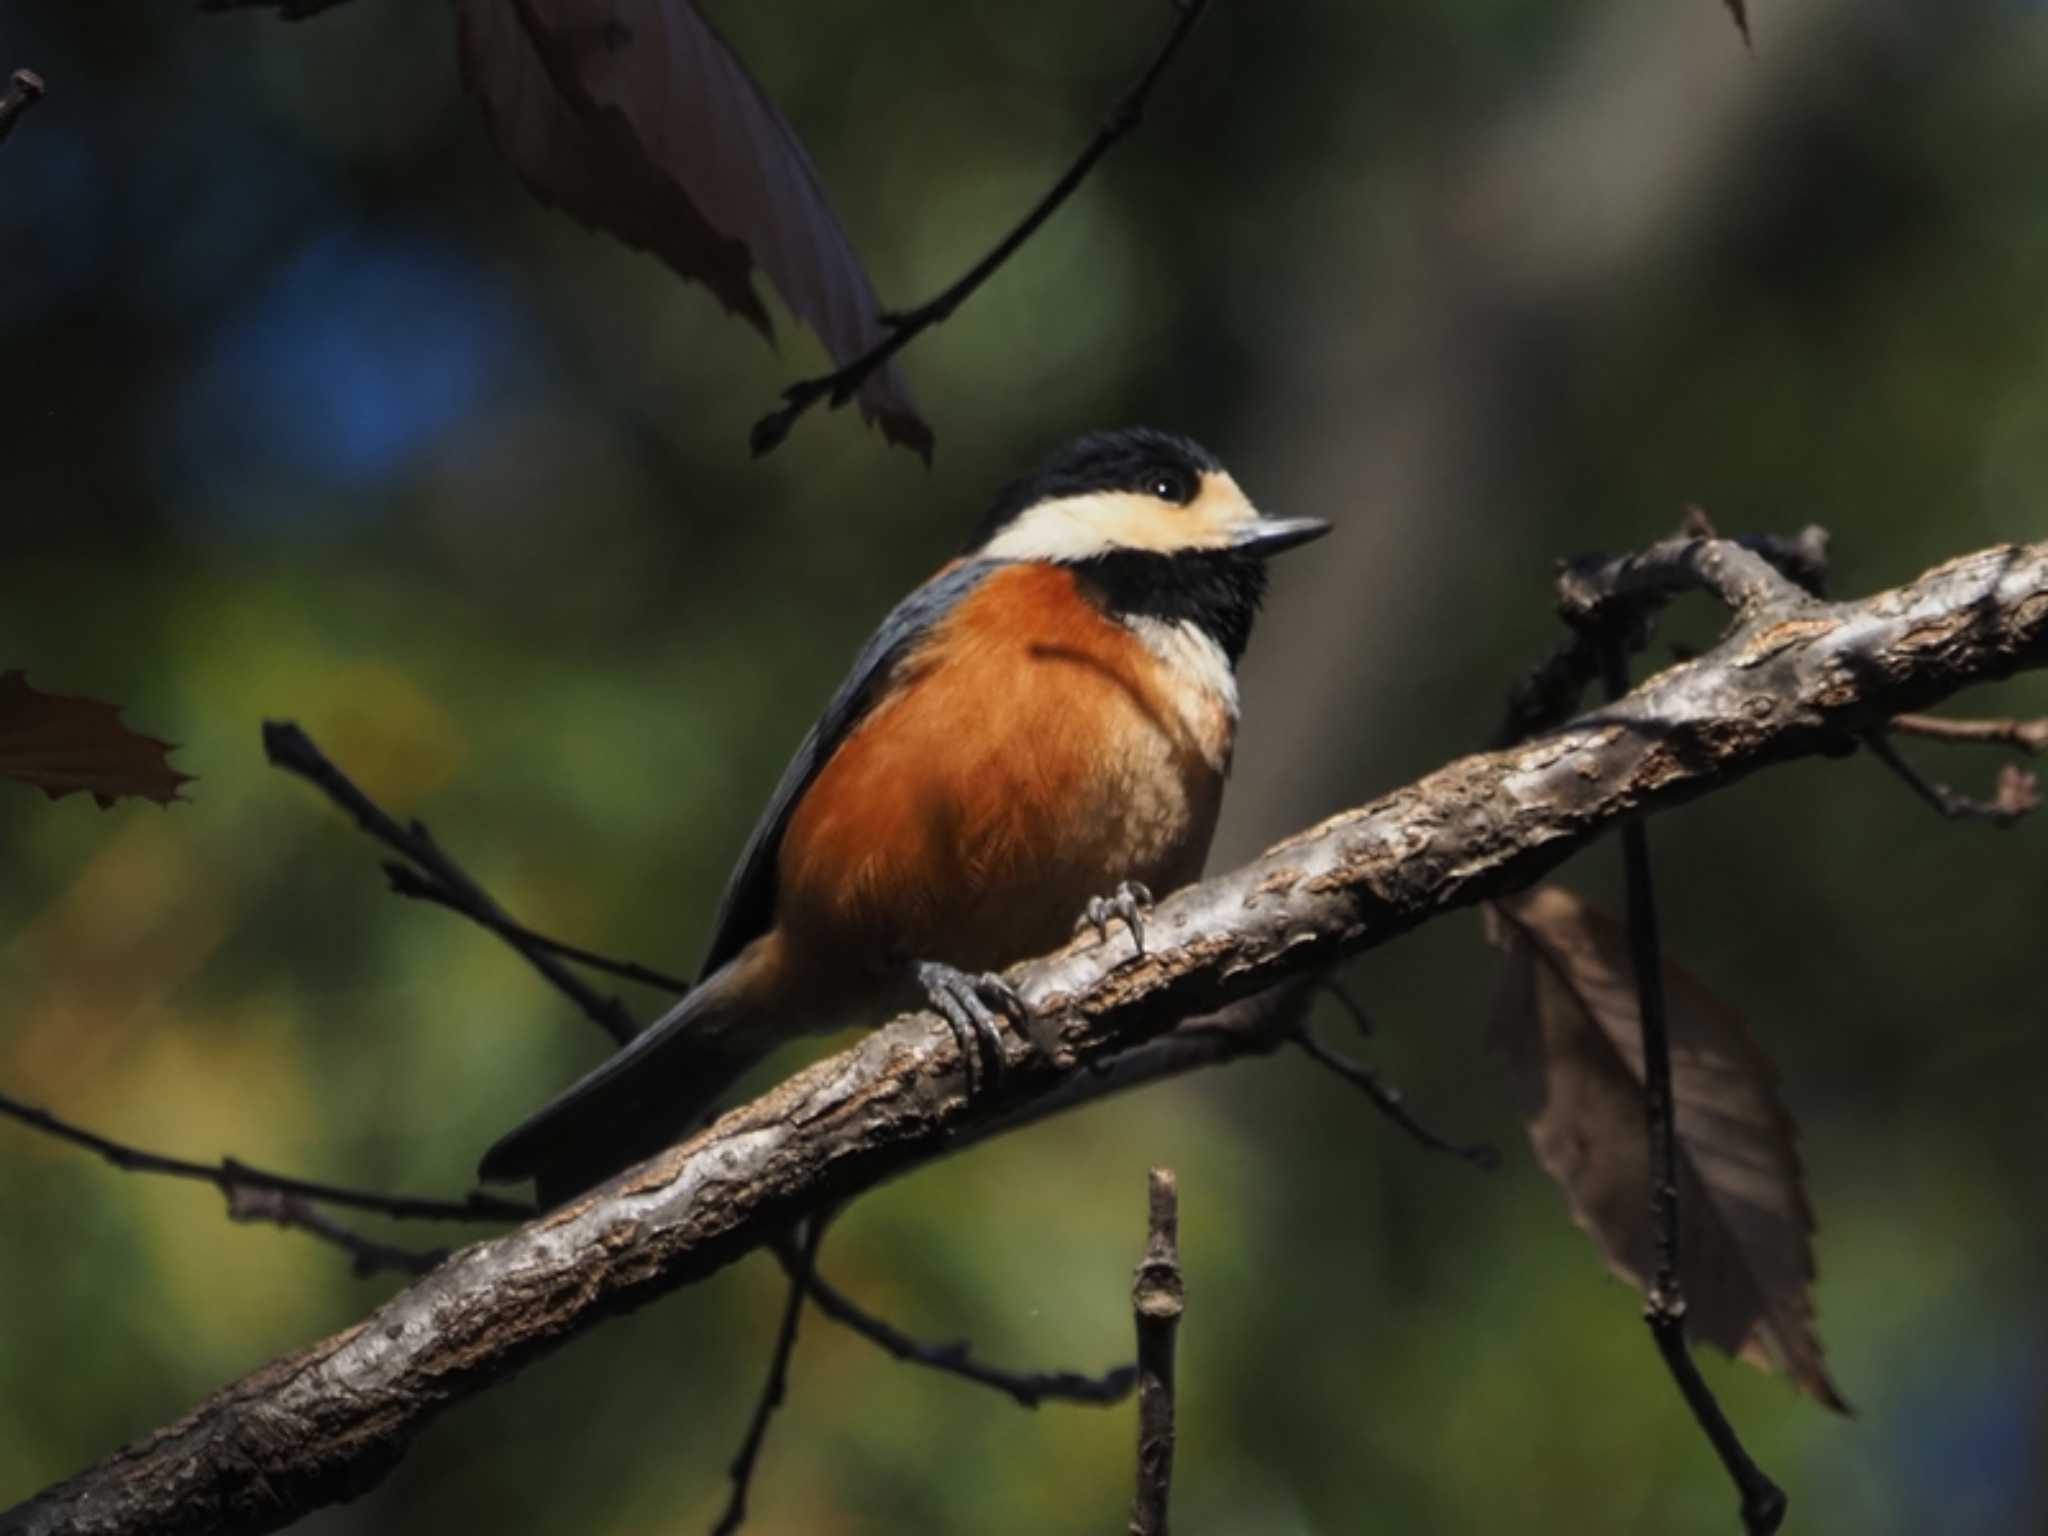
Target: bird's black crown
<point>1141,459</point>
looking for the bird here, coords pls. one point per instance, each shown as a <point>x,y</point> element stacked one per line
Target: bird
<point>1033,742</point>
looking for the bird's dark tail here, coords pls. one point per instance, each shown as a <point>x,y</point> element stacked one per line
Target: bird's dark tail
<point>643,1098</point>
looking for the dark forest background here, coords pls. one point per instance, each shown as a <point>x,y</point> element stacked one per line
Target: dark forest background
<point>308,410</point>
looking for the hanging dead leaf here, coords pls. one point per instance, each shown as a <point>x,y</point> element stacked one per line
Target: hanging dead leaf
<point>1739,9</point>
<point>63,744</point>
<point>1567,1020</point>
<point>635,117</point>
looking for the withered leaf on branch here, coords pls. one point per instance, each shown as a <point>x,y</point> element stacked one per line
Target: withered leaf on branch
<point>1566,1018</point>
<point>63,744</point>
<point>635,117</point>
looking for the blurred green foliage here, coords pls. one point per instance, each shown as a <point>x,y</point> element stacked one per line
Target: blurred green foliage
<point>309,411</point>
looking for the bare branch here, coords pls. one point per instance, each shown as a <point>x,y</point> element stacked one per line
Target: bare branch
<point>1736,8</point>
<point>367,1256</point>
<point>1790,681</point>
<point>2018,792</point>
<point>1745,574</point>
<point>24,89</point>
<point>2028,736</point>
<point>742,1469</point>
<point>290,748</point>
<point>1028,1388</point>
<point>230,1176</point>
<point>289,10</point>
<point>840,385</point>
<point>1763,1501</point>
<point>1254,1026</point>
<point>1600,596</point>
<point>1158,1297</point>
<point>1387,1099</point>
<point>407,881</point>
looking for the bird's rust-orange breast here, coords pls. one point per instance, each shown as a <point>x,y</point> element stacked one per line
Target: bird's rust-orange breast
<point>1030,753</point>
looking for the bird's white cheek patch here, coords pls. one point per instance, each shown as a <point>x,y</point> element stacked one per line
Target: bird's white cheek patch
<point>1082,527</point>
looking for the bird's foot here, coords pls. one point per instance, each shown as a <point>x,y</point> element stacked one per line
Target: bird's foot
<point>962,1000</point>
<point>1130,903</point>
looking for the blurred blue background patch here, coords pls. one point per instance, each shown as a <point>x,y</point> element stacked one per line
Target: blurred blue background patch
<point>348,362</point>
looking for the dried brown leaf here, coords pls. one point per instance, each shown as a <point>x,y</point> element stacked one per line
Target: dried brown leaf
<point>635,117</point>
<point>1740,11</point>
<point>63,744</point>
<point>1567,1020</point>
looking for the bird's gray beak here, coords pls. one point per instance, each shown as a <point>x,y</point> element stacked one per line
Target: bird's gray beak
<point>1270,535</point>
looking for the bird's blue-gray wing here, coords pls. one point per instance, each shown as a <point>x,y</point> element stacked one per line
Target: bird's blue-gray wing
<point>748,907</point>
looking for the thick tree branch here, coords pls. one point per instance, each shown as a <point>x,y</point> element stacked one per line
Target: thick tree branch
<point>1255,1026</point>
<point>1795,677</point>
<point>1598,597</point>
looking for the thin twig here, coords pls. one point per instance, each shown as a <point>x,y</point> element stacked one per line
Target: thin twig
<point>1548,694</point>
<point>1736,8</point>
<point>1601,597</point>
<point>840,385</point>
<point>408,882</point>
<point>1158,1297</point>
<point>228,1175</point>
<point>774,1388</point>
<point>2018,792</point>
<point>1612,596</point>
<point>1027,1388</point>
<point>367,1256</point>
<point>253,1195</point>
<point>1763,1501</point>
<point>290,748</point>
<point>1353,1009</point>
<point>24,89</point>
<point>2028,736</point>
<point>1387,1099</point>
<point>289,10</point>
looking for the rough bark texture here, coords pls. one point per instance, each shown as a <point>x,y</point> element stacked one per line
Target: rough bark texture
<point>1794,677</point>
<point>1158,1297</point>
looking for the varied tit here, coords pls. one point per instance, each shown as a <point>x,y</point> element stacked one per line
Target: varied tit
<point>1038,733</point>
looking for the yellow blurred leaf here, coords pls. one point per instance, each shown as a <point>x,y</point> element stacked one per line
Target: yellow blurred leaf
<point>399,741</point>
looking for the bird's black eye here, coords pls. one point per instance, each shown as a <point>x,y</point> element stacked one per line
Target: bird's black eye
<point>1174,485</point>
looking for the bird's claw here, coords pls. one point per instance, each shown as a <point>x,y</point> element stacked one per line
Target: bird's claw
<point>962,1000</point>
<point>1130,904</point>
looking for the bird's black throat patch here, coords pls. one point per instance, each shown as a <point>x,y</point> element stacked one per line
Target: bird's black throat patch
<point>1217,590</point>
